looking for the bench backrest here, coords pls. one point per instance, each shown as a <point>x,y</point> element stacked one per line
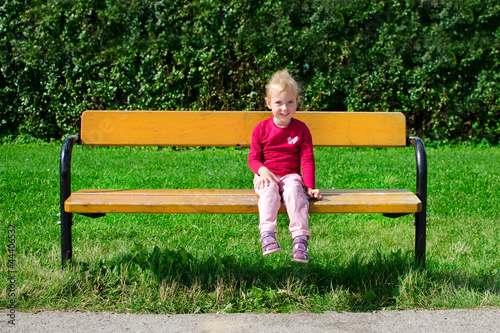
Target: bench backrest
<point>234,128</point>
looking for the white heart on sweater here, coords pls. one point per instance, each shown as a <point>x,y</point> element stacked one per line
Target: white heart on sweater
<point>292,141</point>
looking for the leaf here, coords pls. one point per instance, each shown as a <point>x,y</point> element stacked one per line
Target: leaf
<point>370,295</point>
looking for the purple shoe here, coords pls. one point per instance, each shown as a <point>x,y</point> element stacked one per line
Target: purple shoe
<point>269,243</point>
<point>300,253</point>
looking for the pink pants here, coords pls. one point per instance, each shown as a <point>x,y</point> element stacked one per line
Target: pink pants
<point>290,190</point>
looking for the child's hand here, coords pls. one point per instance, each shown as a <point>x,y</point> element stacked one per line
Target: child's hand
<point>314,193</point>
<point>266,177</point>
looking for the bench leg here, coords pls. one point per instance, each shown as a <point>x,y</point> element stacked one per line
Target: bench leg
<point>66,244</point>
<point>420,230</point>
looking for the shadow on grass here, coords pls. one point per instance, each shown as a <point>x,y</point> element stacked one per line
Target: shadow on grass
<point>258,284</point>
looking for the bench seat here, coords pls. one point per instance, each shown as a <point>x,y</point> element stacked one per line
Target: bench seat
<point>217,201</point>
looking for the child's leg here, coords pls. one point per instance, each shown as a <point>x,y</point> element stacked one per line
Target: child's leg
<point>269,205</point>
<point>297,205</point>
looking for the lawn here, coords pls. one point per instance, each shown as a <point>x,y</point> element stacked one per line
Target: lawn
<point>211,263</point>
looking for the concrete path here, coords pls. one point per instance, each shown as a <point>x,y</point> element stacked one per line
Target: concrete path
<point>474,321</point>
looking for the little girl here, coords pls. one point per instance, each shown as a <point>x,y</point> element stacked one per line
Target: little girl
<point>281,148</point>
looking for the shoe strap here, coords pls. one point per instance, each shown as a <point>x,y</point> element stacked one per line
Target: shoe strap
<point>266,235</point>
<point>300,241</point>
<point>300,244</point>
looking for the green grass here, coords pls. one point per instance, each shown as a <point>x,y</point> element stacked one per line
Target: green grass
<point>210,263</point>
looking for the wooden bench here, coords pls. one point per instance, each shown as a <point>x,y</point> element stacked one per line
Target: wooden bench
<point>190,128</point>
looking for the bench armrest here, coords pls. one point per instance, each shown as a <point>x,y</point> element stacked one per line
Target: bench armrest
<point>65,192</point>
<point>421,192</point>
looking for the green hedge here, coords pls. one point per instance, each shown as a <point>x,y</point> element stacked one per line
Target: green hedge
<point>437,61</point>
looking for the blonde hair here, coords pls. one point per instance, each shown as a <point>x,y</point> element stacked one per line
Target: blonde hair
<point>282,80</point>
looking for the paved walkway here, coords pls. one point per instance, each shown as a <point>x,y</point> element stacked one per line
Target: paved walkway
<point>443,321</point>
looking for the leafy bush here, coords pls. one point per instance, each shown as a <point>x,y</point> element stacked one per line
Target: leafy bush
<point>437,61</point>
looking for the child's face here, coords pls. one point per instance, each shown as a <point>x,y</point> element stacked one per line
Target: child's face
<point>283,105</point>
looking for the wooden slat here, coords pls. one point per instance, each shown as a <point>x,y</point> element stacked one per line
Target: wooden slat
<point>234,201</point>
<point>218,128</point>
